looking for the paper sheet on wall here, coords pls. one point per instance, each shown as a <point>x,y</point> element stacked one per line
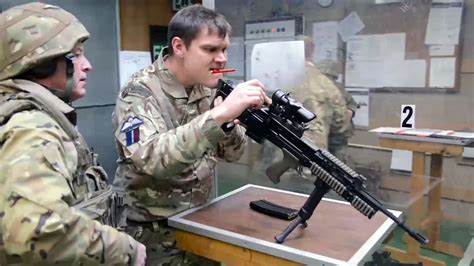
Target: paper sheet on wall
<point>350,26</point>
<point>442,72</point>
<point>444,22</point>
<point>376,47</point>
<point>378,74</point>
<point>401,160</point>
<point>404,74</point>
<point>279,65</point>
<point>131,62</point>
<point>325,41</point>
<point>442,50</point>
<point>379,61</point>
<point>361,96</point>
<point>364,73</point>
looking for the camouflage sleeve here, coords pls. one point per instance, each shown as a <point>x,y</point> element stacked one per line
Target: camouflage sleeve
<point>318,130</point>
<point>351,103</point>
<point>39,226</point>
<point>154,149</point>
<point>314,98</point>
<point>233,145</point>
<point>340,121</point>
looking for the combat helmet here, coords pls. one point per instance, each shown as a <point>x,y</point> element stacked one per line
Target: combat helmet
<point>34,33</point>
<point>329,67</point>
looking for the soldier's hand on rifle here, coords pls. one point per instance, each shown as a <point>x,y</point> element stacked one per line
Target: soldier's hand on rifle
<point>141,255</point>
<point>249,94</point>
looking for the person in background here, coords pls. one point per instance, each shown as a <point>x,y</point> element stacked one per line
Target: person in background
<point>319,95</point>
<point>338,144</point>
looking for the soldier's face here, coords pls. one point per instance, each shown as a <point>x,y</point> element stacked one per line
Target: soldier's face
<point>206,52</point>
<point>81,67</point>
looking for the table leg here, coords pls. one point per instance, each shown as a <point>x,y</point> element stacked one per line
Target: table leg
<point>415,214</point>
<point>416,210</point>
<point>434,197</point>
<point>434,211</point>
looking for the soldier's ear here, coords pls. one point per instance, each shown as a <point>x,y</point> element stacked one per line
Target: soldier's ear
<point>178,46</point>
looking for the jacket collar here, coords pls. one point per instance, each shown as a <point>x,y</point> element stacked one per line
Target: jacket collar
<point>40,91</point>
<point>172,86</point>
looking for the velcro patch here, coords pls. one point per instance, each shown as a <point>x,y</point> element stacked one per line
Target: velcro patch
<point>136,90</point>
<point>131,128</point>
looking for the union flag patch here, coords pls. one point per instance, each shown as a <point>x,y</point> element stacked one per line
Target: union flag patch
<point>131,128</point>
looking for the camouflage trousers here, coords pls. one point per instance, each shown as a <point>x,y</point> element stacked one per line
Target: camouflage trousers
<point>339,150</point>
<point>161,249</point>
<point>261,156</point>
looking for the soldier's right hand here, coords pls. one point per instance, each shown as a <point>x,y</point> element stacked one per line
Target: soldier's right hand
<point>141,255</point>
<point>249,94</point>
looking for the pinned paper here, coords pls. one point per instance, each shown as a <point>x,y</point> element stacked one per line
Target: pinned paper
<point>279,65</point>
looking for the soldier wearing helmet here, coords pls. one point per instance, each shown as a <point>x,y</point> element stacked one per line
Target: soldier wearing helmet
<point>322,97</point>
<point>338,144</point>
<point>54,198</point>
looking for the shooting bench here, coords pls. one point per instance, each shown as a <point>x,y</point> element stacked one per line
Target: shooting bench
<point>228,231</point>
<point>436,148</point>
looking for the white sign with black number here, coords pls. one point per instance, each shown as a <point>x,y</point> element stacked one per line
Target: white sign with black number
<point>401,159</point>
<point>407,116</point>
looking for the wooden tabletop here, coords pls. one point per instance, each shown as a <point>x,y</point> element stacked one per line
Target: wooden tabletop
<point>335,230</point>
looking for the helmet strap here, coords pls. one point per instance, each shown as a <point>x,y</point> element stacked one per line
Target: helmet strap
<point>70,79</point>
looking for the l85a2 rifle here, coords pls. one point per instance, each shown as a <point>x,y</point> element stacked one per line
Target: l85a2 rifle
<point>283,124</point>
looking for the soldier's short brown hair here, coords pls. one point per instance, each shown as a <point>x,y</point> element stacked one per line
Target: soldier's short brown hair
<point>189,21</point>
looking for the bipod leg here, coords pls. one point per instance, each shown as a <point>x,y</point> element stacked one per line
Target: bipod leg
<point>306,211</point>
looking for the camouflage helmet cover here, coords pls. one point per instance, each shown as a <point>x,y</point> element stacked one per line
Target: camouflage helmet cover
<point>329,67</point>
<point>33,33</point>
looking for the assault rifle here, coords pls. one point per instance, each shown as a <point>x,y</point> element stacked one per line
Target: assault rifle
<point>283,123</point>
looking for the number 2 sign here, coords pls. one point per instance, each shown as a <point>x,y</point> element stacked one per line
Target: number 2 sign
<point>407,116</point>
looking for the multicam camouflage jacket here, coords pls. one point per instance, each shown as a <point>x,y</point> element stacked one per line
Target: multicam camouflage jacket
<point>50,186</point>
<point>352,106</point>
<point>319,95</point>
<point>168,144</point>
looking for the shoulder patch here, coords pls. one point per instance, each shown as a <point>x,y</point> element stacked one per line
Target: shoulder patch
<point>131,129</point>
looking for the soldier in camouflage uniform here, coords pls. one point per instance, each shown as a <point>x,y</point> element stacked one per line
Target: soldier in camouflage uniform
<point>319,95</point>
<point>169,137</point>
<point>51,188</point>
<point>338,144</point>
